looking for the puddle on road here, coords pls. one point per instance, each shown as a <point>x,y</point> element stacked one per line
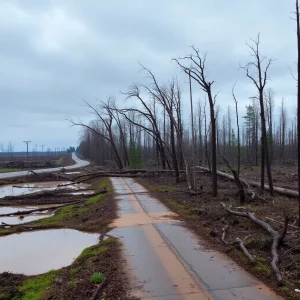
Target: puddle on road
<point>38,252</point>
<point>31,188</point>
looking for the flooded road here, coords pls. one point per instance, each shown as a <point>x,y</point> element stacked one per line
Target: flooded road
<point>166,261</point>
<point>79,163</point>
<point>37,252</point>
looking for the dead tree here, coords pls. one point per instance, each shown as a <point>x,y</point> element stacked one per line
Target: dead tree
<point>259,68</point>
<point>193,136</point>
<point>105,116</point>
<point>197,70</point>
<point>282,131</point>
<point>111,106</point>
<point>237,182</point>
<point>168,98</point>
<point>238,134</point>
<point>149,114</point>
<point>298,97</point>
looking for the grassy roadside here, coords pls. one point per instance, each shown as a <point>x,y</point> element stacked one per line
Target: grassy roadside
<point>6,170</point>
<point>75,281</point>
<point>204,215</point>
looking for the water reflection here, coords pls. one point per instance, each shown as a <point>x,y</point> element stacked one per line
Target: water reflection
<point>38,252</point>
<point>31,188</point>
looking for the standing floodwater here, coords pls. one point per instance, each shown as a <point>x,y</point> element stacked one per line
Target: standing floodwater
<point>36,187</point>
<point>37,252</point>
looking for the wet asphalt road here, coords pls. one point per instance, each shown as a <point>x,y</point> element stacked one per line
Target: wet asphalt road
<point>167,261</point>
<point>79,163</point>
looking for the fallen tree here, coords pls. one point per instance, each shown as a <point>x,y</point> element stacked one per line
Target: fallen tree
<point>28,212</point>
<point>240,243</point>
<point>278,190</point>
<point>276,236</point>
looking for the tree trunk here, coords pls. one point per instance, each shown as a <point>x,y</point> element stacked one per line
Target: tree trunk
<point>298,99</point>
<point>213,146</point>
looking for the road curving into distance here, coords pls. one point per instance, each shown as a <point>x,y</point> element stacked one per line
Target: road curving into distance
<point>79,164</point>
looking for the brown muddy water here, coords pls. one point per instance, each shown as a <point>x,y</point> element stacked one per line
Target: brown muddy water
<point>36,187</point>
<point>37,252</point>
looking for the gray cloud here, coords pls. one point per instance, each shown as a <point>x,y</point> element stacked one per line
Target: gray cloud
<point>54,54</point>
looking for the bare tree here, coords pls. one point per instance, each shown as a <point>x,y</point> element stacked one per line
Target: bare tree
<point>193,136</point>
<point>238,134</point>
<point>10,149</point>
<point>298,96</point>
<point>197,70</point>
<point>105,116</point>
<point>269,101</point>
<point>257,72</point>
<point>282,131</point>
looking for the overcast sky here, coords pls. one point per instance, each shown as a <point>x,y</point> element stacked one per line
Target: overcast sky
<point>55,54</point>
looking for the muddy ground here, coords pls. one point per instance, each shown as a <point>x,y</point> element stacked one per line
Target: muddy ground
<point>205,216</point>
<point>74,281</point>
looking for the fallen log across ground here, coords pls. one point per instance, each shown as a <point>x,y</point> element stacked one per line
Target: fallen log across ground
<point>47,198</point>
<point>5,225</point>
<point>278,190</point>
<point>276,236</point>
<point>124,173</point>
<point>28,212</point>
<point>240,243</point>
<point>131,171</point>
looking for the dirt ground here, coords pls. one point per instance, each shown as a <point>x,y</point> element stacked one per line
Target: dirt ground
<point>205,216</point>
<point>284,176</point>
<point>74,281</point>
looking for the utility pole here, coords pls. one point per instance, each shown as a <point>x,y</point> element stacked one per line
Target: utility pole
<point>43,148</point>
<point>27,142</point>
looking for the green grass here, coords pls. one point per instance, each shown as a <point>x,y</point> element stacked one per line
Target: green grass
<point>111,241</point>
<point>105,182</point>
<point>74,271</point>
<point>6,170</point>
<point>181,209</point>
<point>262,267</point>
<point>91,251</point>
<point>73,283</point>
<point>97,278</point>
<point>35,289</point>
<point>95,199</point>
<point>82,210</point>
<point>64,213</point>
<point>5,231</point>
